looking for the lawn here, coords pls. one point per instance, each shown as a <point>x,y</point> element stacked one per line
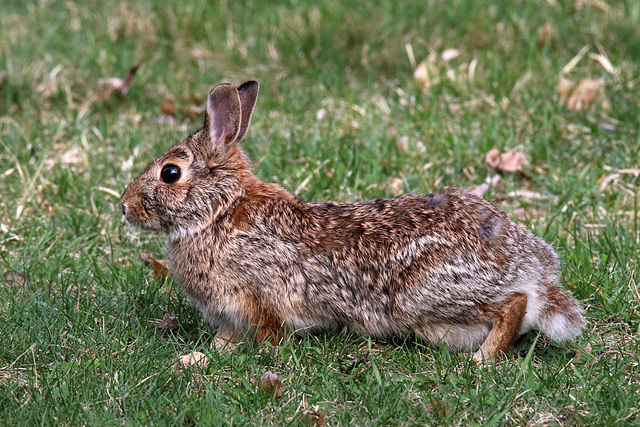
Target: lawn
<point>371,99</point>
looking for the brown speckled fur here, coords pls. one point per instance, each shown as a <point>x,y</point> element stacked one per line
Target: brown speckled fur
<point>449,267</point>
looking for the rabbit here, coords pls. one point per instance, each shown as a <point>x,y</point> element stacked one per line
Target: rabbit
<point>448,268</point>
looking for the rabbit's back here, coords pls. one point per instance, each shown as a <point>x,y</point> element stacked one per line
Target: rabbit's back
<point>439,259</point>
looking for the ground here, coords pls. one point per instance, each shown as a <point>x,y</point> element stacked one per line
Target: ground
<point>358,101</point>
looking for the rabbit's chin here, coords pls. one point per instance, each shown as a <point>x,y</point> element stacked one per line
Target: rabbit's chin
<point>143,225</point>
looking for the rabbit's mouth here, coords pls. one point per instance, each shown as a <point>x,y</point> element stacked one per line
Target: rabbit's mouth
<point>140,218</point>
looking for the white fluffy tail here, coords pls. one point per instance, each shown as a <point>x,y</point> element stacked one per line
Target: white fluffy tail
<point>560,317</point>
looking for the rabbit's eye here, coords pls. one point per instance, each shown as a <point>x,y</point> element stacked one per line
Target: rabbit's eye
<point>170,174</point>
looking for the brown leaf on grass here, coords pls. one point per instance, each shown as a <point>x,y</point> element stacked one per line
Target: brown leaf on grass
<point>168,108</point>
<point>159,266</point>
<point>604,62</point>
<point>545,35</point>
<point>48,208</point>
<point>421,76</point>
<point>403,144</point>
<point>3,78</point>
<point>381,104</point>
<point>508,161</point>
<point>169,322</point>
<point>270,384</point>
<point>170,111</point>
<point>13,278</point>
<point>584,94</point>
<point>117,86</point>
<point>195,358</point>
<point>439,407</point>
<point>315,416</point>
<point>581,354</point>
<point>563,88</point>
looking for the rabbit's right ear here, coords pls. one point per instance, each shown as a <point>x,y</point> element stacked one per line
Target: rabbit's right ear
<point>248,95</point>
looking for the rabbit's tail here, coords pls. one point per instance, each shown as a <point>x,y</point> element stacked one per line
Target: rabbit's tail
<point>560,316</point>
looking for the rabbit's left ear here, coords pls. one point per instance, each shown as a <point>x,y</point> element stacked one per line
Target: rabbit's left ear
<point>223,117</point>
<point>248,93</point>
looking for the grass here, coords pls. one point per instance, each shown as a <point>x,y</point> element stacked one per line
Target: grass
<point>77,340</point>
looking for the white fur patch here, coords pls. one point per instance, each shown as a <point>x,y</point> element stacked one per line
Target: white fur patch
<point>533,311</point>
<point>464,337</point>
<point>558,328</point>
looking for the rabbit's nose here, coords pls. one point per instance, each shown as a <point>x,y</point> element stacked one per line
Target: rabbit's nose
<point>124,209</point>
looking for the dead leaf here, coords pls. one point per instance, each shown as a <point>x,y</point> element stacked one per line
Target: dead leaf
<point>421,76</point>
<point>584,94</point>
<point>439,407</point>
<point>169,322</point>
<point>508,161</point>
<point>48,208</point>
<point>13,278</point>
<point>315,416</point>
<point>604,62</point>
<point>270,384</point>
<point>117,86</point>
<point>563,88</point>
<point>168,108</point>
<point>3,78</point>
<point>545,35</point>
<point>493,157</point>
<point>632,171</point>
<point>403,144</point>
<point>449,54</point>
<point>159,266</point>
<point>575,60</point>
<point>381,103</point>
<point>581,354</point>
<point>195,358</point>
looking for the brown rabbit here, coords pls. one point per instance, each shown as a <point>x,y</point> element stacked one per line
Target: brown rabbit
<point>448,267</point>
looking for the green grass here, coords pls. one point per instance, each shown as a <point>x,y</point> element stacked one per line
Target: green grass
<point>77,341</point>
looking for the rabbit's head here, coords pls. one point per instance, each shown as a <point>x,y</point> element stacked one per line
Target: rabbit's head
<point>196,181</point>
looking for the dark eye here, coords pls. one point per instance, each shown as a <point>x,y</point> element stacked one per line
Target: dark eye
<point>170,174</point>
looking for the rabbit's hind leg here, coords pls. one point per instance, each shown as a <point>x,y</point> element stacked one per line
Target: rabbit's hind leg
<point>226,339</point>
<point>507,323</point>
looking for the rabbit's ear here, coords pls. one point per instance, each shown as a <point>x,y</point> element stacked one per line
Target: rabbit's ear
<point>224,114</point>
<point>248,95</point>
